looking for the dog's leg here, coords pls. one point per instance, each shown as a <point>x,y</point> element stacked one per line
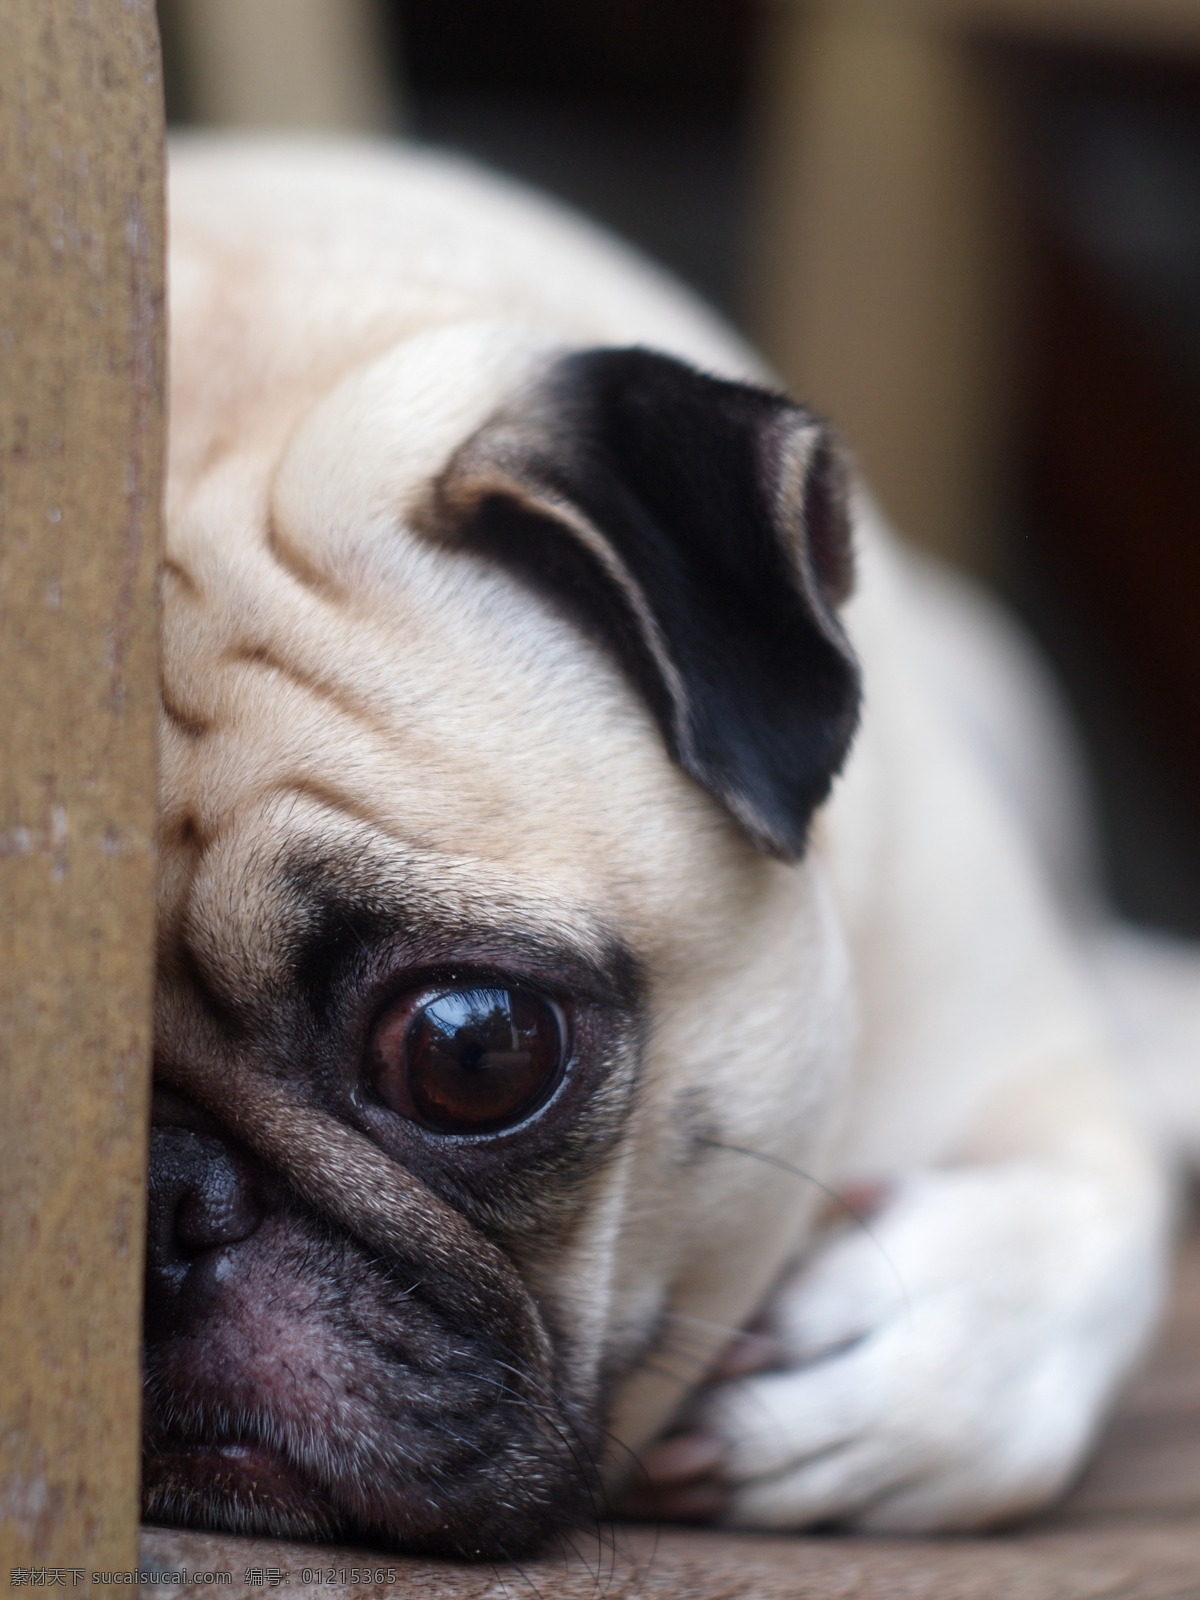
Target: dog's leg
<point>948,1364</point>
<point>945,1363</point>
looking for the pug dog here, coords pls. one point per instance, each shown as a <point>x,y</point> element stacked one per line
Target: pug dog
<point>617,1043</point>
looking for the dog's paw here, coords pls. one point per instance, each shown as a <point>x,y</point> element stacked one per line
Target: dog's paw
<point>943,1367</point>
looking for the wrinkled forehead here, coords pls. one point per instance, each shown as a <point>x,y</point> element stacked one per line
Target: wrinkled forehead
<point>298,893</point>
<point>335,688</point>
<point>444,706</point>
<point>455,794</point>
<point>316,831</point>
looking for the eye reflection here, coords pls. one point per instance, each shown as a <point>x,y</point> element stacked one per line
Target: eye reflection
<point>468,1060</point>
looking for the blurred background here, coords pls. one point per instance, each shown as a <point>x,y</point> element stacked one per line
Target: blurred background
<point>968,230</point>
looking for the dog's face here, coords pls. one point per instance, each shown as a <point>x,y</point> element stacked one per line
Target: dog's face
<point>497,709</point>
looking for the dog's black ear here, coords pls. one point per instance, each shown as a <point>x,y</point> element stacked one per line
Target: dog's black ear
<point>699,529</point>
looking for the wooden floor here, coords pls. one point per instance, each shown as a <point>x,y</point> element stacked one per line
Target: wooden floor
<point>1130,1531</point>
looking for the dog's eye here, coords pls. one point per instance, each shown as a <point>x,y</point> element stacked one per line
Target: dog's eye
<point>468,1060</point>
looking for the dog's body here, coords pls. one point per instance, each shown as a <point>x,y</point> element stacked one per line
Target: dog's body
<point>407,751</point>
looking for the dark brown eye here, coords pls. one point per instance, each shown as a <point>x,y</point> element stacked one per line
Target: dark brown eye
<point>468,1060</point>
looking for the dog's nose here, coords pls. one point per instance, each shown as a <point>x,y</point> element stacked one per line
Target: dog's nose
<point>203,1202</point>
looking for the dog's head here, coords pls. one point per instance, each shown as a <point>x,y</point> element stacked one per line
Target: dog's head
<point>498,706</point>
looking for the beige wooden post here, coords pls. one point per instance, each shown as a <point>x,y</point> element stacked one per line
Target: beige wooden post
<point>885,281</point>
<point>315,64</point>
<point>81,400</point>
<point>888,286</point>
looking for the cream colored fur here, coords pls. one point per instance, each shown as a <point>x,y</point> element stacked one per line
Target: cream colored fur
<point>907,1007</point>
